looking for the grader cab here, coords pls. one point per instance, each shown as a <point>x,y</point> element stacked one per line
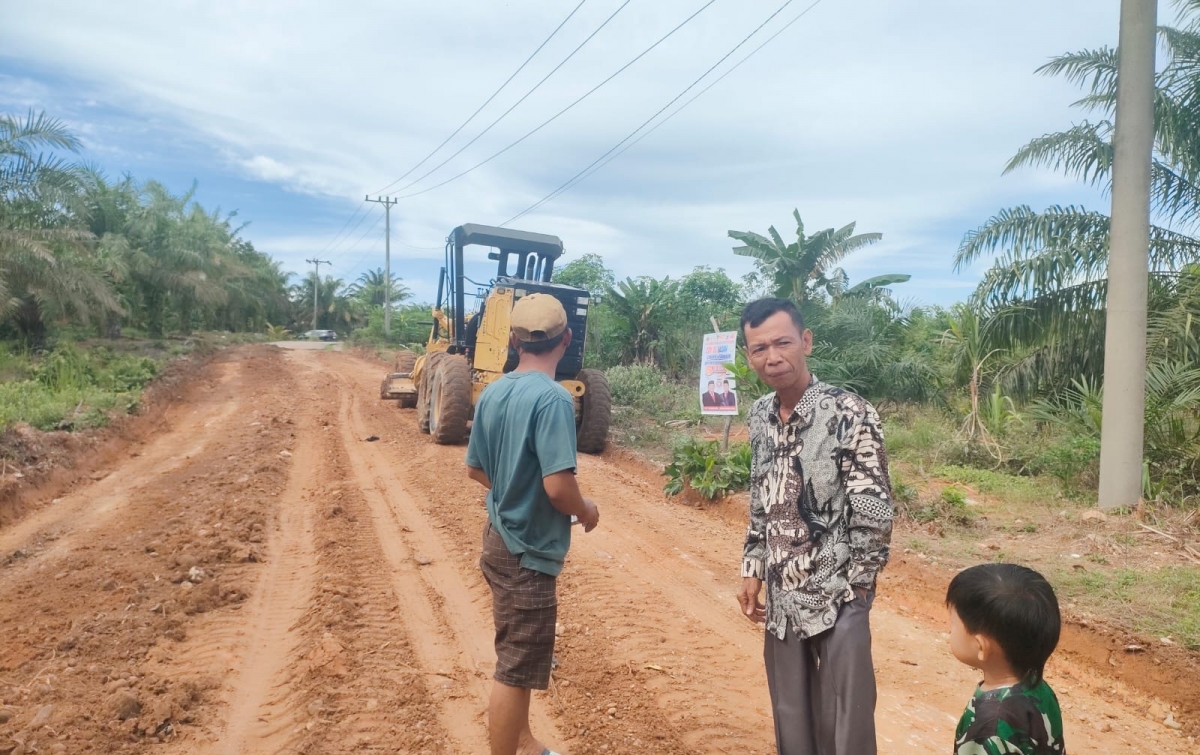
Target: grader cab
<point>468,350</point>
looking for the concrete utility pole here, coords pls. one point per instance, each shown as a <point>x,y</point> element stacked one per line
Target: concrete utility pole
<point>317,285</point>
<point>1121,434</point>
<point>387,203</point>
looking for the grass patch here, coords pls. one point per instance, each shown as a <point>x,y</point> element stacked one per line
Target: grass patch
<point>1014,488</point>
<point>920,435</point>
<point>1160,603</point>
<point>651,413</point>
<point>949,507</point>
<point>71,388</point>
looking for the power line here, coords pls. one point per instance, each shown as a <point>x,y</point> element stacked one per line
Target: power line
<point>332,246</point>
<point>337,236</point>
<point>344,226</point>
<point>355,245</point>
<point>461,149</point>
<point>578,178</point>
<point>555,117</point>
<point>494,94</point>
<point>596,164</point>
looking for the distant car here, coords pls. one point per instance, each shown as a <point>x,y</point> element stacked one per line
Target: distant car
<point>321,335</point>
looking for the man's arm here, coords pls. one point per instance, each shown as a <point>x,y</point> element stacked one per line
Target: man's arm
<point>754,552</point>
<point>565,496</point>
<point>554,443</point>
<point>869,490</point>
<point>479,476</point>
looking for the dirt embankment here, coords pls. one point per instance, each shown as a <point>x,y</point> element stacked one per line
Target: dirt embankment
<point>37,466</point>
<point>254,576</point>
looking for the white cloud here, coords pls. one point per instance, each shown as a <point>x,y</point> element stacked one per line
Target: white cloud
<point>897,115</point>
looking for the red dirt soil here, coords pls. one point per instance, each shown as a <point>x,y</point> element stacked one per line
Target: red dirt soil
<point>251,575</point>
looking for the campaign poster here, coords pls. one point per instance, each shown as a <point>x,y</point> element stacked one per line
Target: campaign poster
<point>718,389</point>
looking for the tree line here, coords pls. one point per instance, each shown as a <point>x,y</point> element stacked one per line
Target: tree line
<point>105,255</point>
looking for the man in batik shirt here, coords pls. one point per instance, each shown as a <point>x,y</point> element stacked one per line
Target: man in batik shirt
<point>820,525</point>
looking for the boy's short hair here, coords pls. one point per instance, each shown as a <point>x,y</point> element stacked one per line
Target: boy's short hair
<point>757,311</point>
<point>1015,606</point>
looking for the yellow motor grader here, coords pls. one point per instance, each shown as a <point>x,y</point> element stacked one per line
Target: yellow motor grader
<point>468,351</point>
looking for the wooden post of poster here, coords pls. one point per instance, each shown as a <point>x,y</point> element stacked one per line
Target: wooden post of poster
<point>728,420</point>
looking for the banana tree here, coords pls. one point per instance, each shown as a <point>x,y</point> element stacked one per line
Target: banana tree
<point>808,264</point>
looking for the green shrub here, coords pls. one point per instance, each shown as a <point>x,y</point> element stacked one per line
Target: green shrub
<point>950,507</point>
<point>902,492</point>
<point>701,465</point>
<point>72,388</point>
<point>128,374</point>
<point>920,434</point>
<point>1074,460</point>
<point>632,385</point>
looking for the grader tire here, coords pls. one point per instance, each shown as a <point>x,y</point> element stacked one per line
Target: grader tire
<point>450,401</point>
<point>427,371</point>
<point>595,414</point>
<point>405,361</point>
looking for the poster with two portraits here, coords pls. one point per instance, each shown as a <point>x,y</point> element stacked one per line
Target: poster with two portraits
<point>718,389</point>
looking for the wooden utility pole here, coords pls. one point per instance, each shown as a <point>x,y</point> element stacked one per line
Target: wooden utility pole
<point>387,203</point>
<point>1122,430</point>
<point>317,285</point>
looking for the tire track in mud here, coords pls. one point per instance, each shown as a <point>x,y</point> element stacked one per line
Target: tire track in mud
<point>258,646</point>
<point>318,666</point>
<point>651,627</point>
<point>364,684</point>
<point>449,622</point>
<point>600,616</point>
<point>133,582</point>
<point>88,506</point>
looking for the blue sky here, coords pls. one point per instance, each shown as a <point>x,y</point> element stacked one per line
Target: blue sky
<point>896,114</point>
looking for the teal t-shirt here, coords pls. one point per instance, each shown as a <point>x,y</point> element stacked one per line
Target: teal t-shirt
<point>524,430</point>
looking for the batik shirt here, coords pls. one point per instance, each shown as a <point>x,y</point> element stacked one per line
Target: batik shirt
<point>820,506</point>
<point>1019,719</point>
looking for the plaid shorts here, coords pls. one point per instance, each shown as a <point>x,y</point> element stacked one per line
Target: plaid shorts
<point>525,611</point>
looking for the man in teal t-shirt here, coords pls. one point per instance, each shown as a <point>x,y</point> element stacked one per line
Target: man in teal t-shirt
<point>522,450</point>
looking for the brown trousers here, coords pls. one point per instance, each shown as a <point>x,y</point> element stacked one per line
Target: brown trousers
<point>823,688</point>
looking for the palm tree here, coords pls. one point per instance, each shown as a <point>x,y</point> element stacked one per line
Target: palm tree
<point>46,267</point>
<point>807,265</point>
<point>335,307</point>
<point>1044,297</point>
<point>371,286</point>
<point>642,307</point>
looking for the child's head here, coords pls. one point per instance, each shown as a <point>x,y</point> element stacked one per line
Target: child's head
<point>1005,609</point>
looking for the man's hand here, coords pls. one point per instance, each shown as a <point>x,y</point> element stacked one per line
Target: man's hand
<point>747,596</point>
<point>590,516</point>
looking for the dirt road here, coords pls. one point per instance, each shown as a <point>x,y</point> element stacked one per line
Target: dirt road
<point>262,578</point>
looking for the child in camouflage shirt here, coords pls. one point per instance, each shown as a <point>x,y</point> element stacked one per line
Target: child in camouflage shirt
<point>1004,621</point>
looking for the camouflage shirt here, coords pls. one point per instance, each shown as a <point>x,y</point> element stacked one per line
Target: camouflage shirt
<point>820,506</point>
<point>1019,719</point>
